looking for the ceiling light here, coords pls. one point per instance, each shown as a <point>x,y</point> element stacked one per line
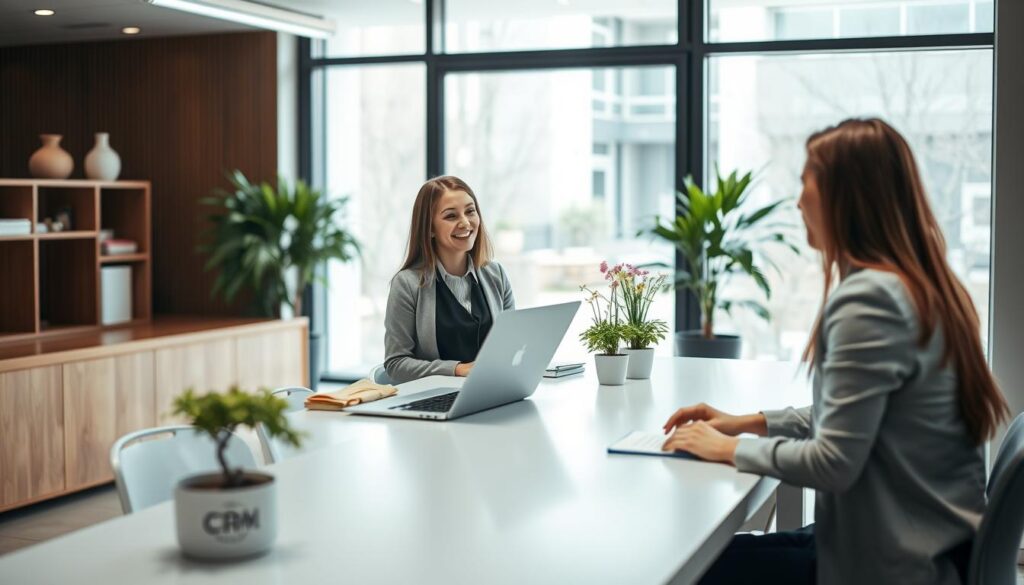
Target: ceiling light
<point>253,14</point>
<point>43,12</point>
<point>131,30</point>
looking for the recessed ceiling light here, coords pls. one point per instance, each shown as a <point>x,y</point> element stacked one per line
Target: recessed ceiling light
<point>131,30</point>
<point>44,12</point>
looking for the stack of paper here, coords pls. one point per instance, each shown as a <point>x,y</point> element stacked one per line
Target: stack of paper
<point>557,370</point>
<point>15,227</point>
<point>115,247</point>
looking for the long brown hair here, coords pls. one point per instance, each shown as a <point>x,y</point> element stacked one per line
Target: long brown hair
<point>876,215</point>
<point>421,254</point>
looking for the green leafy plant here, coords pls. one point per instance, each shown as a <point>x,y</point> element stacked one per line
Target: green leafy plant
<point>719,238</point>
<point>262,236</point>
<point>638,289</point>
<point>218,415</point>
<point>606,332</point>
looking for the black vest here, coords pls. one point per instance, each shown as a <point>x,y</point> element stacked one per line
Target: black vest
<point>459,332</point>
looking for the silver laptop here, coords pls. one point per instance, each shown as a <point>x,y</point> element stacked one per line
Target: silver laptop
<point>508,368</point>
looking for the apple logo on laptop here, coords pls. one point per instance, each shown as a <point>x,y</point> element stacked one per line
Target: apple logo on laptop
<point>518,357</point>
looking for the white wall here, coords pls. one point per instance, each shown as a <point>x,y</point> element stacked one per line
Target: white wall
<point>1007,318</point>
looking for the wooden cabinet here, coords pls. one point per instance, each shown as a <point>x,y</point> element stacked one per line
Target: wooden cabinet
<point>65,401</point>
<point>203,366</point>
<point>103,400</point>
<point>31,435</point>
<point>271,360</point>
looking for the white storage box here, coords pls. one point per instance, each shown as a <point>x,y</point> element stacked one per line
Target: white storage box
<point>116,292</point>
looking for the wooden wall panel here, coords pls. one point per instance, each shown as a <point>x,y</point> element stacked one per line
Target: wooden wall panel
<point>202,366</point>
<point>103,400</point>
<point>271,360</point>
<point>180,111</point>
<point>31,435</point>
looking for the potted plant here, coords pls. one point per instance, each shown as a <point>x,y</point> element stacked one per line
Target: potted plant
<point>270,240</point>
<point>718,237</point>
<point>232,513</point>
<point>640,333</point>
<point>603,336</point>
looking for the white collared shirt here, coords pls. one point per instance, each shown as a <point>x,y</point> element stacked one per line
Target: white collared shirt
<point>460,285</point>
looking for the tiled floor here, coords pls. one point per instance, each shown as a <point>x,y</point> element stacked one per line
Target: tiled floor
<point>50,519</point>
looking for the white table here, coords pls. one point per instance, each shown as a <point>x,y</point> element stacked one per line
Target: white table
<point>525,493</point>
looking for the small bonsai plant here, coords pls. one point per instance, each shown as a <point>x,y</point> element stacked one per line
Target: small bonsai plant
<point>271,240</point>
<point>718,238</point>
<point>219,414</point>
<point>638,290</point>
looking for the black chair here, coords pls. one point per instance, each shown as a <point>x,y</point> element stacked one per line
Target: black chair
<point>994,553</point>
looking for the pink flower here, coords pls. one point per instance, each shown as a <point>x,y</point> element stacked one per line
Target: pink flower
<point>614,284</point>
<point>604,266</point>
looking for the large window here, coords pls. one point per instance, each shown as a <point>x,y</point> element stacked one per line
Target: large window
<point>565,119</point>
<point>761,110</point>
<point>566,173</point>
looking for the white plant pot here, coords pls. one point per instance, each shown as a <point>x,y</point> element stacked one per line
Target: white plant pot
<point>225,523</point>
<point>640,363</point>
<point>611,369</point>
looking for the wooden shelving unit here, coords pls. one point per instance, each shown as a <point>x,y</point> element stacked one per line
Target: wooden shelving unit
<point>52,281</point>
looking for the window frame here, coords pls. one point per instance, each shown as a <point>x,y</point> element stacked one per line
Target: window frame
<point>689,55</point>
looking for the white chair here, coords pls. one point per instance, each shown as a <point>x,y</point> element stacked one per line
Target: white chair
<point>379,375</point>
<point>274,450</point>
<point>148,464</point>
<point>995,548</point>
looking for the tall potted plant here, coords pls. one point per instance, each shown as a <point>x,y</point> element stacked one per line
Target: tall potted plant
<point>640,333</point>
<point>231,513</point>
<point>604,335</point>
<point>718,238</point>
<point>270,240</point>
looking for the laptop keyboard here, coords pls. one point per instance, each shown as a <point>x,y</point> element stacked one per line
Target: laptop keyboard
<point>439,403</point>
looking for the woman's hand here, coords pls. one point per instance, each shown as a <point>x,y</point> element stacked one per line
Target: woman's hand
<point>463,369</point>
<point>723,422</point>
<point>704,441</point>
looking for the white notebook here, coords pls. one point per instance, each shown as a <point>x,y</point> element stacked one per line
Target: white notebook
<point>646,443</point>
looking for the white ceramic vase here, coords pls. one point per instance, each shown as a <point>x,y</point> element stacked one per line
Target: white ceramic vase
<point>225,523</point>
<point>51,161</point>
<point>611,369</point>
<point>640,363</point>
<point>102,163</point>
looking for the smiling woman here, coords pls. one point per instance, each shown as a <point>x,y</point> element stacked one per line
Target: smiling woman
<point>444,299</point>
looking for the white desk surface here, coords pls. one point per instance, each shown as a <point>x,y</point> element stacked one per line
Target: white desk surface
<point>525,493</point>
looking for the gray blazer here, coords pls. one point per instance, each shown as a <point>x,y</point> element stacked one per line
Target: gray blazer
<point>898,481</point>
<point>410,337</point>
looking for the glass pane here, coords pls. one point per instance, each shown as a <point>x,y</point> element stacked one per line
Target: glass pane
<point>563,183</point>
<point>474,26</point>
<point>381,27</point>
<point>769,20</point>
<point>941,101</point>
<point>375,155</point>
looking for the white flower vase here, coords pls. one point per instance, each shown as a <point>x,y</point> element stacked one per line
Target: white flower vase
<point>51,161</point>
<point>215,522</point>
<point>102,163</point>
<point>640,363</point>
<point>611,369</point>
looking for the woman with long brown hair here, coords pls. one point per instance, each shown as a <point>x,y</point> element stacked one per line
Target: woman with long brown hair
<point>903,400</point>
<point>445,297</point>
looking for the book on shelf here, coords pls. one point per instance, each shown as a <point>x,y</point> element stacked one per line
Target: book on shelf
<point>15,227</point>
<point>357,393</point>
<point>117,247</point>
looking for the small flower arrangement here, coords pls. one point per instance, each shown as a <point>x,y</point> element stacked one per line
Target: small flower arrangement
<point>638,289</point>
<point>606,331</point>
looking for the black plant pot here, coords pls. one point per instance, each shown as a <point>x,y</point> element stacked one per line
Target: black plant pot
<point>693,344</point>
<point>315,341</point>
